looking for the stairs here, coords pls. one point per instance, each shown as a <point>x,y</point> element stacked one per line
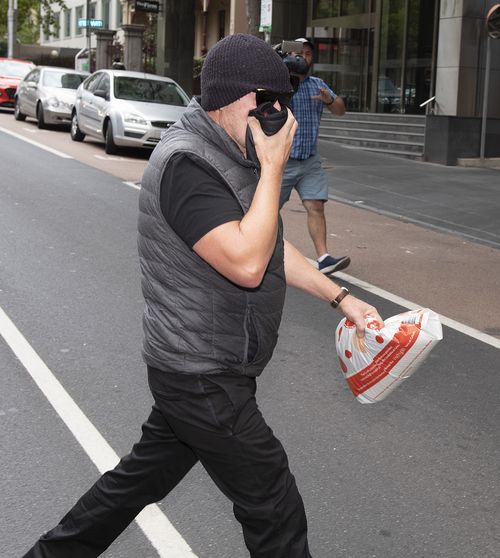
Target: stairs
<point>392,134</point>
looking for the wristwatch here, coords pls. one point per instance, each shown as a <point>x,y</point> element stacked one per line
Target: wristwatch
<point>340,297</point>
<point>332,101</point>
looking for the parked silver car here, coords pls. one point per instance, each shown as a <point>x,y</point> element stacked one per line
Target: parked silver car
<point>47,93</point>
<point>125,108</point>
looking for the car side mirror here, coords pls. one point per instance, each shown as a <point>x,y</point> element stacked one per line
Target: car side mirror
<point>31,84</point>
<point>102,93</point>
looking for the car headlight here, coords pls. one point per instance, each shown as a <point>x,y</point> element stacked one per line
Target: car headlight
<point>134,119</point>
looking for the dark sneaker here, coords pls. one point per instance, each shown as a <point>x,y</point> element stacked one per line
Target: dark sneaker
<point>331,265</point>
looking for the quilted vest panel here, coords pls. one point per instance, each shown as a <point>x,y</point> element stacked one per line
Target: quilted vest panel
<point>195,320</point>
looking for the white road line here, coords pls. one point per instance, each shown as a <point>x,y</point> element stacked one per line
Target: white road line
<point>453,324</point>
<point>153,522</point>
<point>133,185</point>
<point>40,145</point>
<point>116,158</point>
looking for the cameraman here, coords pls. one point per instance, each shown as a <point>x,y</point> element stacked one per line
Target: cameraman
<point>304,171</point>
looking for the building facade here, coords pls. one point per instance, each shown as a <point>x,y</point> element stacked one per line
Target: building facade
<point>381,56</point>
<point>400,57</point>
<point>70,34</point>
<point>113,30</point>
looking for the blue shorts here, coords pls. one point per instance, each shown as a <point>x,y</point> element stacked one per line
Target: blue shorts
<point>307,177</point>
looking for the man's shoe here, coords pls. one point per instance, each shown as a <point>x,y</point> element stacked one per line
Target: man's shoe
<point>331,265</point>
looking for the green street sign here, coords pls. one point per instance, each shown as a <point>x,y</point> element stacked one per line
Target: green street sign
<point>92,23</point>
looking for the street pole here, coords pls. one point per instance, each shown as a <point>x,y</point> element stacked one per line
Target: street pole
<point>493,30</point>
<point>485,98</point>
<point>88,35</point>
<point>11,28</point>
<point>204,16</point>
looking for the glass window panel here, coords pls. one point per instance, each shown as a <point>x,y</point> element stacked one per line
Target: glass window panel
<point>55,29</point>
<point>418,54</point>
<point>119,15</point>
<point>148,90</point>
<point>105,13</point>
<point>78,15</point>
<point>222,24</point>
<point>105,84</point>
<point>92,82</point>
<point>342,61</point>
<point>60,79</point>
<point>67,22</point>
<point>344,56</point>
<point>325,8</point>
<point>353,7</point>
<point>391,49</point>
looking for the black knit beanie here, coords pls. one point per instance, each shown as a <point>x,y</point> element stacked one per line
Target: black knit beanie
<point>237,65</point>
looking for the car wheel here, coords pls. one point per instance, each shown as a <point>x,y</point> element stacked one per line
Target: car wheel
<point>75,132</point>
<point>40,117</point>
<point>18,115</point>
<point>110,146</point>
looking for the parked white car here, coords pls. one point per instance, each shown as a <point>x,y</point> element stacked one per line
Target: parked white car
<point>47,93</point>
<point>125,108</point>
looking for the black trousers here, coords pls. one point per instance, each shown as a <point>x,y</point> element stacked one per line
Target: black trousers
<point>210,418</point>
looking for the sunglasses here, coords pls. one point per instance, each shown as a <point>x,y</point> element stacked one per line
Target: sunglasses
<point>266,96</point>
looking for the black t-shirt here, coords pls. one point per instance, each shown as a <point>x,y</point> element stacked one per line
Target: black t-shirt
<point>195,201</point>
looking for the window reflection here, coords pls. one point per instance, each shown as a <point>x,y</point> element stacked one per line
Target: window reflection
<point>325,8</point>
<point>341,61</point>
<point>391,47</point>
<point>418,54</point>
<point>336,8</point>
<point>345,56</point>
<point>353,7</point>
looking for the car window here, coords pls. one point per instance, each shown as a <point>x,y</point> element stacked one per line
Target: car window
<point>149,91</point>
<point>33,76</point>
<point>386,86</point>
<point>53,78</point>
<point>104,83</point>
<point>72,81</point>
<point>92,82</point>
<point>11,68</point>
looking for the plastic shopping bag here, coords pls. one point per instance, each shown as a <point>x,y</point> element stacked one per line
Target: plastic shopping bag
<point>389,353</point>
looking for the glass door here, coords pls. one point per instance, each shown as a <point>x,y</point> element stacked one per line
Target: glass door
<point>378,55</point>
<point>405,68</point>
<point>420,54</point>
<point>343,32</point>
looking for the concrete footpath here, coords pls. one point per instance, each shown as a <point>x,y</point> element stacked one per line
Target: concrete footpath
<point>425,232</point>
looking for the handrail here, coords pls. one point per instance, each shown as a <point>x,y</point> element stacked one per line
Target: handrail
<point>428,101</point>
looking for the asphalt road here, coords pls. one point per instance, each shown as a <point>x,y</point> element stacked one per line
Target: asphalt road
<point>415,476</point>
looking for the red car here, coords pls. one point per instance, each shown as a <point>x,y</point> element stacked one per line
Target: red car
<point>12,72</point>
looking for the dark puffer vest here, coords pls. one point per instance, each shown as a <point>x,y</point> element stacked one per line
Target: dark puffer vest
<point>196,321</point>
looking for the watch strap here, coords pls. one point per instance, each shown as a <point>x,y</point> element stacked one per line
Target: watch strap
<point>340,297</point>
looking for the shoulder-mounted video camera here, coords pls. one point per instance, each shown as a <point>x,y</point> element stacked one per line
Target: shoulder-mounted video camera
<point>272,120</point>
<point>291,53</point>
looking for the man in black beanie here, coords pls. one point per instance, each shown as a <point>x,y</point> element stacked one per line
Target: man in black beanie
<point>214,271</point>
